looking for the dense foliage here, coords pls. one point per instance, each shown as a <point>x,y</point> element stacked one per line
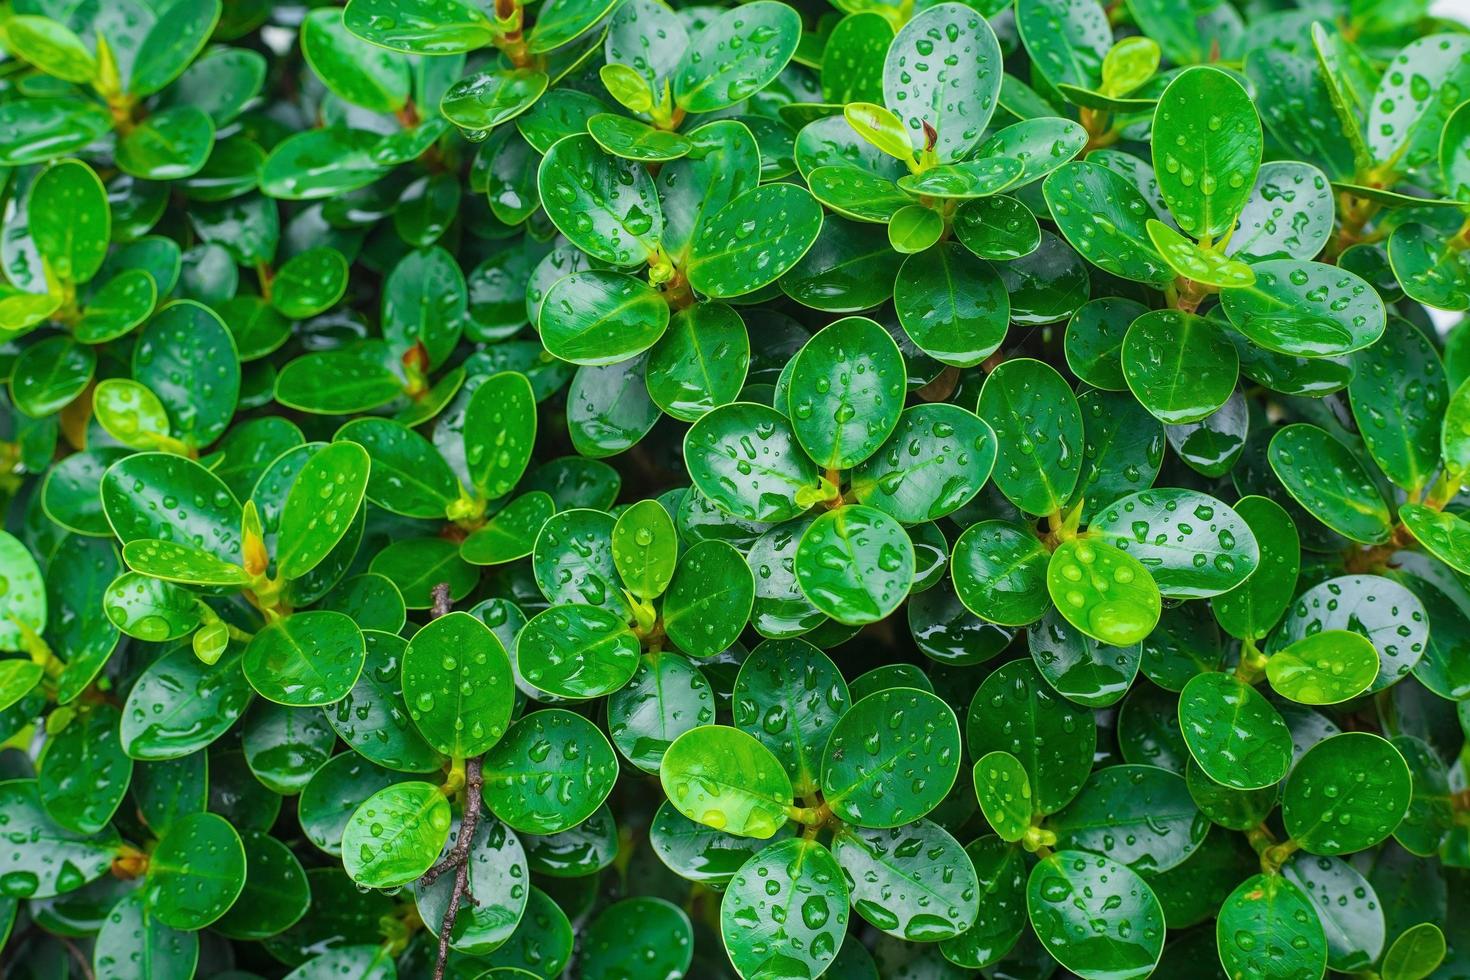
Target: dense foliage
<point>908,490</point>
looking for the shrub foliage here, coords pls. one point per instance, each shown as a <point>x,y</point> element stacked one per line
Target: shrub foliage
<point>903,490</point>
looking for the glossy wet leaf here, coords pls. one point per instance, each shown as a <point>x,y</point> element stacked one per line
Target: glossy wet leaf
<point>1324,668</point>
<point>746,459</point>
<point>605,206</point>
<point>700,361</point>
<point>1384,611</point>
<point>457,685</point>
<point>1095,916</point>
<point>1191,544</point>
<point>196,872</point>
<point>1346,794</point>
<point>1234,733</point>
<point>735,56</point>
<point>855,563</point>
<point>999,571</point>
<point>1255,605</point>
<point>550,772</point>
<point>1004,792</point>
<point>952,304</point>
<point>1103,591</point>
<point>914,882</point>
<point>395,835</point>
<point>1267,923</point>
<point>1207,150</point>
<point>891,758</point>
<point>786,909</point>
<point>753,240</point>
<point>1038,430</point>
<point>1306,308</point>
<point>1104,217</point>
<point>651,935</point>
<point>725,779</point>
<point>944,68</point>
<point>1332,484</point>
<point>846,392</point>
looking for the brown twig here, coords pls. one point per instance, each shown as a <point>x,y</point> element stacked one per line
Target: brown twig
<point>458,858</point>
<point>442,600</point>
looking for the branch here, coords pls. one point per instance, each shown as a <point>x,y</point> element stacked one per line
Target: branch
<point>458,858</point>
<point>442,601</point>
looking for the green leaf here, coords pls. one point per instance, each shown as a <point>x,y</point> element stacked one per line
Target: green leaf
<point>913,882</point>
<point>1067,40</point>
<point>1038,428</point>
<point>1103,591</point>
<point>600,317</point>
<point>320,163</point>
<point>891,758</point>
<point>24,593</point>
<point>789,694</point>
<point>1251,608</point>
<point>952,304</point>
<point>944,69</point>
<point>176,37</point>
<point>1323,668</point>
<point>700,362</point>
<point>58,860</point>
<point>500,428</point>
<point>1004,792</point>
<point>355,71</point>
<point>458,685</point>
<point>1195,262</point>
<point>49,375</point>
<point>131,936</point>
<point>180,704</point>
<point>550,772</point>
<point>1306,308</point>
<point>753,240</point>
<point>1105,218</point>
<point>650,935</point>
<point>1384,611</point>
<point>846,392</point>
<point>736,55</point>
<point>166,497</point>
<point>936,459</point>
<point>605,206</point>
<point>407,475</point>
<point>369,718</point>
<point>488,99</point>
<point>725,779</point>
<point>196,872</point>
<point>577,652</point>
<point>1192,545</point>
<point>745,458</point>
<point>999,571</point>
<point>69,221</point>
<point>1234,733</point>
<point>1080,667</point>
<point>309,283</point>
<point>709,599</point>
<point>395,835</point>
<point>645,547</point>
<point>170,145</point>
<point>1415,954</point>
<point>305,659</point>
<point>186,356</point>
<point>796,875</point>
<point>320,507</point>
<point>1398,396</point>
<point>1096,917</point>
<point>573,562</point>
<point>667,697</point>
<point>1329,481</point>
<point>38,130</point>
<point>434,27</point>
<point>50,46</point>
<point>511,533</point>
<point>1268,925</point>
<point>997,228</point>
<point>174,561</point>
<point>1347,793</point>
<point>855,563</point>
<point>1207,150</point>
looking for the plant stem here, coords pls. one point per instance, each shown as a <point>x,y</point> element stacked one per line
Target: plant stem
<point>458,858</point>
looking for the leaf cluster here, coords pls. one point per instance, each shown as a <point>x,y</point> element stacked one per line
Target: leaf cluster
<point>870,490</point>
